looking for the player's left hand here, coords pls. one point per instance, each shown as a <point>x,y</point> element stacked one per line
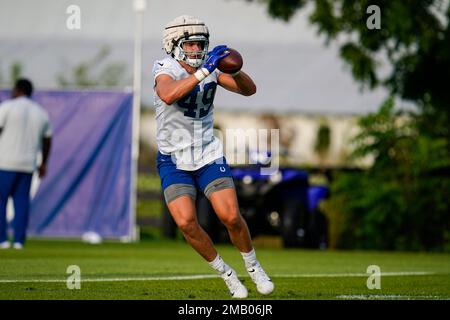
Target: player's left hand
<point>214,56</point>
<point>218,49</point>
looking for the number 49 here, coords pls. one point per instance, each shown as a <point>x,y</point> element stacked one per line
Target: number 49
<point>189,102</point>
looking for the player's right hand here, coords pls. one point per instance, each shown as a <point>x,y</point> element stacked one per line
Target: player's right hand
<point>214,57</point>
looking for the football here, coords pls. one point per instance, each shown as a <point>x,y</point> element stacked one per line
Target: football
<point>231,63</point>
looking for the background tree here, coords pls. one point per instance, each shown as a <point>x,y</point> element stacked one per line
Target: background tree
<point>401,201</point>
<point>414,41</point>
<point>15,72</point>
<point>323,142</point>
<point>87,73</point>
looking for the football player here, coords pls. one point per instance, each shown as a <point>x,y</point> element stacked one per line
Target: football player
<point>190,157</point>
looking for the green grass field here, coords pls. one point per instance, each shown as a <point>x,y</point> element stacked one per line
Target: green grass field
<point>155,270</point>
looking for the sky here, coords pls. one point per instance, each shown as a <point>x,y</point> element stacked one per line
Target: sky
<point>292,68</point>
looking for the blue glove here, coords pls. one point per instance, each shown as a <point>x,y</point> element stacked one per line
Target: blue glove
<point>218,49</point>
<point>214,57</point>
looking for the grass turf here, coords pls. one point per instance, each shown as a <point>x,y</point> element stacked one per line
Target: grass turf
<point>298,274</point>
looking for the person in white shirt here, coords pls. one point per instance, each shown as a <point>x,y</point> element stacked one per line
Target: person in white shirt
<point>24,132</point>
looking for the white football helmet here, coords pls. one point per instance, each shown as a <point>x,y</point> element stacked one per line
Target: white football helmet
<point>184,29</point>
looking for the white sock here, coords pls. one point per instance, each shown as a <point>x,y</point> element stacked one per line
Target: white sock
<point>219,265</point>
<point>249,258</point>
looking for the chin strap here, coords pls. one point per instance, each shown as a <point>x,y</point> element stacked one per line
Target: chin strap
<point>196,65</point>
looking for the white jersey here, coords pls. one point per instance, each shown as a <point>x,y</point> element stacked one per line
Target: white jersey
<point>24,123</point>
<point>185,128</point>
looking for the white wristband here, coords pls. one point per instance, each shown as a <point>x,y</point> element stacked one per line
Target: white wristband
<point>201,74</point>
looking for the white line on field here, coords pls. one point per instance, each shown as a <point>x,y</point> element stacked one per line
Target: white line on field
<point>190,277</point>
<point>208,276</point>
<point>347,275</point>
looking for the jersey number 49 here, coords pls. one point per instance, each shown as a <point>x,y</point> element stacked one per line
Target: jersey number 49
<point>198,103</point>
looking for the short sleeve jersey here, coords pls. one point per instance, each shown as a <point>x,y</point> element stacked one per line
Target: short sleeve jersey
<point>185,128</point>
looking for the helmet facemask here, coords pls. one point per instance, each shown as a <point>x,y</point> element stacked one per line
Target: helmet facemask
<point>192,58</point>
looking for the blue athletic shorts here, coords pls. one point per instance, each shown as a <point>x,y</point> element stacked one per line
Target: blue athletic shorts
<point>199,179</point>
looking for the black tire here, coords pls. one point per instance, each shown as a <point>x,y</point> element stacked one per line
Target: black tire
<point>293,224</point>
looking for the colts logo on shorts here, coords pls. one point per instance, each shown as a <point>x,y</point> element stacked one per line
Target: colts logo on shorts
<point>222,169</point>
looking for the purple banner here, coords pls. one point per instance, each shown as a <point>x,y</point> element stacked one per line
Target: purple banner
<point>88,182</point>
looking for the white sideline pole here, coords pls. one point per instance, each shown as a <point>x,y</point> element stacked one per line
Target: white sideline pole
<point>139,7</point>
